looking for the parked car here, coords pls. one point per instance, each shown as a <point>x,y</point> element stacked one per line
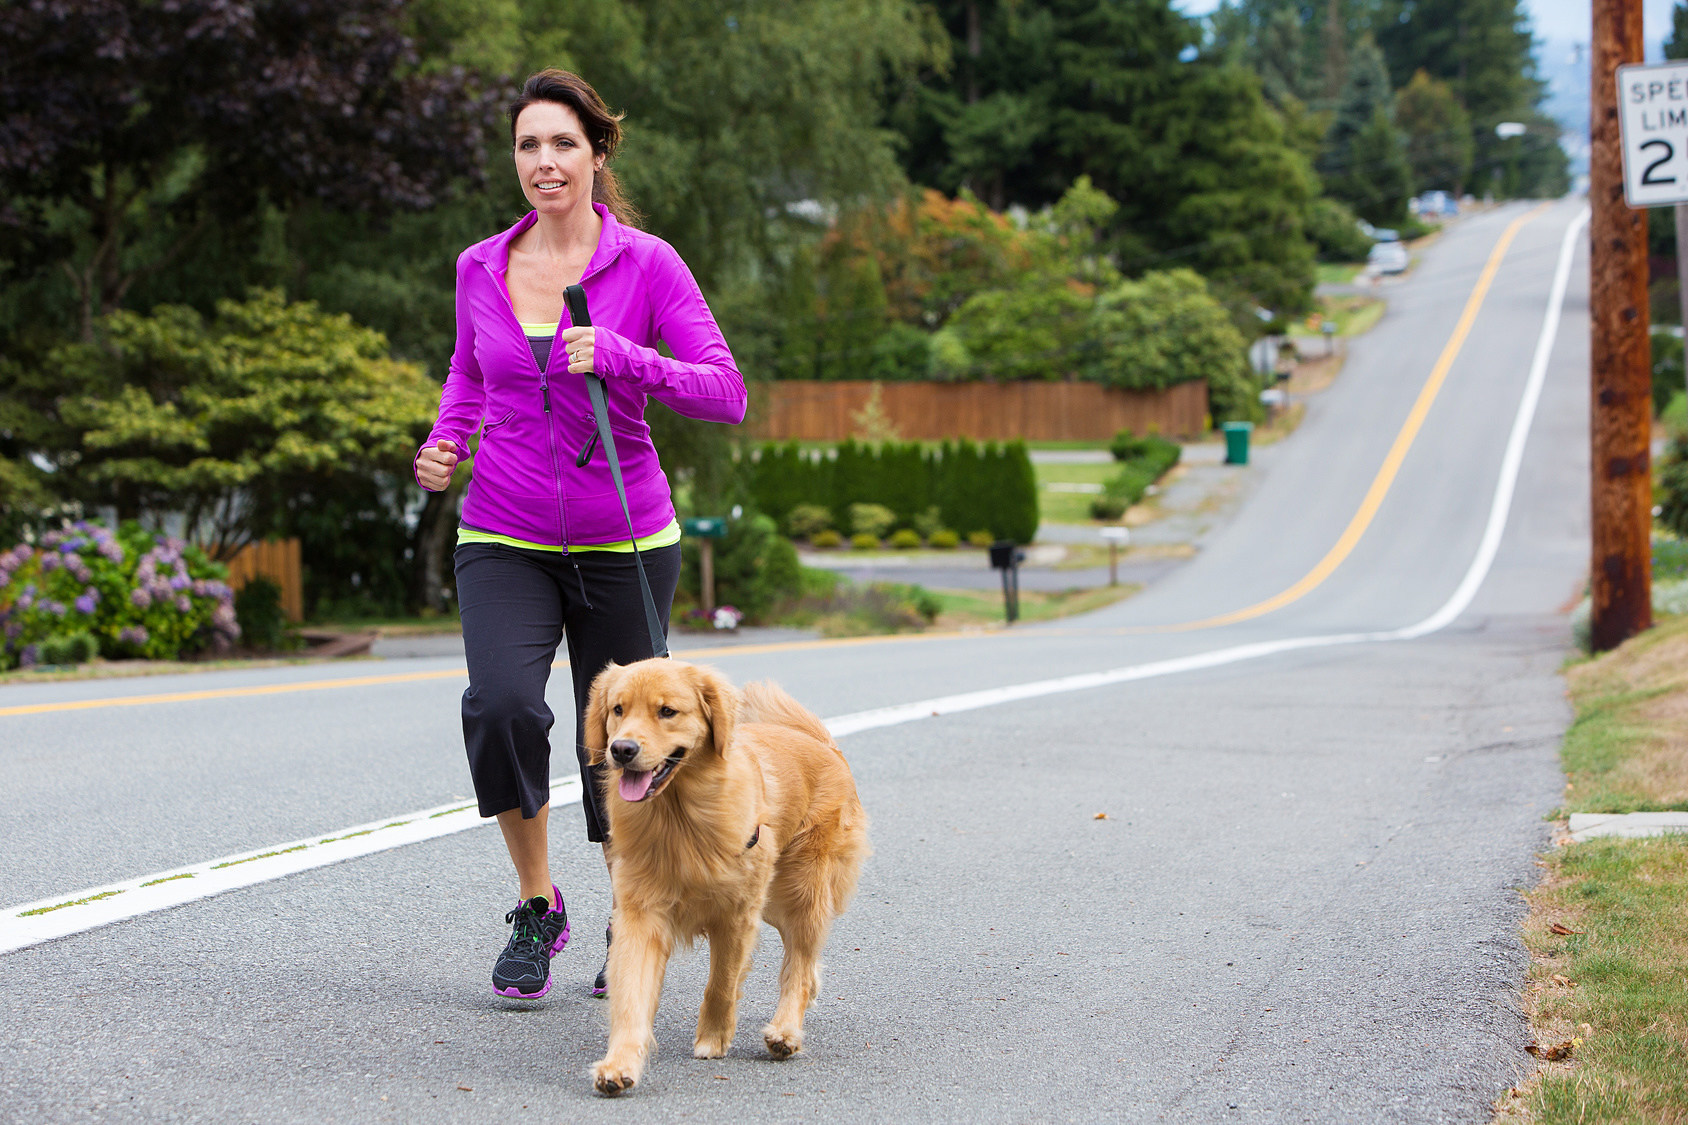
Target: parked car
<point>1434,205</point>
<point>1388,257</point>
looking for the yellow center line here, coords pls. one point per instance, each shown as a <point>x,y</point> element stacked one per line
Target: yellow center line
<point>1345,545</point>
<point>1385,477</point>
<point>445,674</point>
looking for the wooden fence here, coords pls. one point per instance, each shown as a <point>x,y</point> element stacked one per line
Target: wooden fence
<point>833,411</point>
<point>277,560</point>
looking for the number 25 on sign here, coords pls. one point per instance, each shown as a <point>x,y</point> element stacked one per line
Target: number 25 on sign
<point>1653,104</point>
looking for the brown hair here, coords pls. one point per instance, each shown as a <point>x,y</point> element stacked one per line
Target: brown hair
<point>603,130</point>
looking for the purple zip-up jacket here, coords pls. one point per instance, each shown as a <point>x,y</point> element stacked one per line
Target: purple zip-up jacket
<point>533,423</point>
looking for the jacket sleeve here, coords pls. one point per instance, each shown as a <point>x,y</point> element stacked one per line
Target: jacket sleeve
<point>701,380</point>
<point>464,395</point>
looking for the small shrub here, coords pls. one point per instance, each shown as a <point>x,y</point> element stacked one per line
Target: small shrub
<point>980,539</point>
<point>848,610</point>
<point>1128,485</point>
<point>755,567</point>
<point>263,622</point>
<point>72,648</point>
<point>807,520</point>
<point>943,539</point>
<point>862,541</point>
<point>872,519</point>
<point>825,539</point>
<point>1667,370</point>
<point>905,540</point>
<point>929,522</point>
<point>1106,508</point>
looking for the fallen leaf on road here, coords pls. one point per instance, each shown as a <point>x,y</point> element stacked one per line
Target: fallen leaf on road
<point>723,1078</point>
<point>1554,1052</point>
<point>467,1089</point>
<point>1100,816</point>
<point>1561,929</point>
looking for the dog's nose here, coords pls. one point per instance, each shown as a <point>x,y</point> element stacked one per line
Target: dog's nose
<point>624,750</point>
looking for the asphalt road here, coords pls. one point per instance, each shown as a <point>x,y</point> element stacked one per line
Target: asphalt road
<point>1301,904</point>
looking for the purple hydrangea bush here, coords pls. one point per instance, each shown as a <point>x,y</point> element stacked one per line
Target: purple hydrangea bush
<point>137,593</point>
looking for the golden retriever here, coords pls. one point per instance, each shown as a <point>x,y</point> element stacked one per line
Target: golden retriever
<point>725,809</point>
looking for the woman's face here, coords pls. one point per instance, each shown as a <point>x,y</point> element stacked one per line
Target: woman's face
<point>554,160</point>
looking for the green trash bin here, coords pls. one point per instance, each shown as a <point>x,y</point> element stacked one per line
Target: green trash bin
<point>1236,442</point>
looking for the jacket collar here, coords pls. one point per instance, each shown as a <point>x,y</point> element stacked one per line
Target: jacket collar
<point>494,252</point>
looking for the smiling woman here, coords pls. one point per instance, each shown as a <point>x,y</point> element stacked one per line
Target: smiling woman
<point>546,551</point>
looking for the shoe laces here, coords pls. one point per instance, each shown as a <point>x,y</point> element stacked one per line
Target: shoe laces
<point>526,923</point>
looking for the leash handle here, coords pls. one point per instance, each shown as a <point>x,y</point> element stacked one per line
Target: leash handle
<point>581,317</point>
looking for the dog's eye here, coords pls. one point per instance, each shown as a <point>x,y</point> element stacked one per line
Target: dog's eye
<point>617,709</point>
<point>667,712</point>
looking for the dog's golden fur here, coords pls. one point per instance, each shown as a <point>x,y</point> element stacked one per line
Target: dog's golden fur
<point>755,817</point>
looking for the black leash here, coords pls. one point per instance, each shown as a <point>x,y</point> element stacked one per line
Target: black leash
<point>579,317</point>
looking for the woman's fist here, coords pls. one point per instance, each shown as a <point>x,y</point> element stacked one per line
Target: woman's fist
<point>434,465</point>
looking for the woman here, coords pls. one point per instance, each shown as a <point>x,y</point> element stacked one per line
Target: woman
<point>543,551</point>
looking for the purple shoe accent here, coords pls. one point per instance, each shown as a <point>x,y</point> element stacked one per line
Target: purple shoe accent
<point>562,938</point>
<point>518,994</point>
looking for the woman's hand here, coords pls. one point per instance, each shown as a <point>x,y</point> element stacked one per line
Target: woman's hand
<point>434,465</point>
<point>579,342</point>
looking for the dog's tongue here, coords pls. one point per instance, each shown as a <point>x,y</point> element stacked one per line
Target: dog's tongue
<point>635,784</point>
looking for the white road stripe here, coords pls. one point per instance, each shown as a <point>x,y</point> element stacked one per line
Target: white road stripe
<point>35,922</point>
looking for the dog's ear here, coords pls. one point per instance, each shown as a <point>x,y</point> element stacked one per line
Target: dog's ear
<point>720,703</point>
<point>598,714</point>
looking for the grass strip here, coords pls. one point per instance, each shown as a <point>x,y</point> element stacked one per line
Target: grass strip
<point>168,879</point>
<point>62,905</point>
<point>254,858</point>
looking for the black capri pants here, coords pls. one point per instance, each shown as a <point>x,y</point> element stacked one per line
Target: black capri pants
<point>517,605</point>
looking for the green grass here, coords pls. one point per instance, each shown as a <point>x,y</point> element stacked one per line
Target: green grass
<point>1618,985</point>
<point>1612,982</point>
<point>1332,273</point>
<point>1069,507</point>
<point>964,608</point>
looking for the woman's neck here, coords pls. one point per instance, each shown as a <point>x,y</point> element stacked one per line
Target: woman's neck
<point>569,237</point>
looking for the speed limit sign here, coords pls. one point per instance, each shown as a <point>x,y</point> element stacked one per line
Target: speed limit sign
<point>1653,100</point>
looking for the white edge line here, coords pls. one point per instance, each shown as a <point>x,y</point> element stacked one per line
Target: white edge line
<point>80,911</point>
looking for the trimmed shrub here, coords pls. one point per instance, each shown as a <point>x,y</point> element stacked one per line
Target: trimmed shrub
<point>263,622</point>
<point>1128,485</point>
<point>872,519</point>
<point>905,540</point>
<point>943,539</point>
<point>806,520</point>
<point>1107,508</point>
<point>72,648</point>
<point>980,538</point>
<point>862,541</point>
<point>827,538</point>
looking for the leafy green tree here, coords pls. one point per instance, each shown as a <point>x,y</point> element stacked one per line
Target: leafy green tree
<point>1198,159</point>
<point>1166,328</point>
<point>1438,132</point>
<point>235,422</point>
<point>133,129</point>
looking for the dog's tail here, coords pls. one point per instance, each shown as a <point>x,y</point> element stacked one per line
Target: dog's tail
<point>767,702</point>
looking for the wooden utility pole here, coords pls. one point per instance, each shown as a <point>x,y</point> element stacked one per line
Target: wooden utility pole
<point>1622,404</point>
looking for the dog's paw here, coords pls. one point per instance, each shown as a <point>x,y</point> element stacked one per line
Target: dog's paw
<point>782,1042</point>
<point>711,1047</point>
<point>613,1078</point>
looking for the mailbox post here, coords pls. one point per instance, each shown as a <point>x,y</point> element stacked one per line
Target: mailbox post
<point>1117,537</point>
<point>706,529</point>
<point>1007,557</point>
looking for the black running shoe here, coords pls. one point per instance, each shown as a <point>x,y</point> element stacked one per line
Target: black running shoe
<point>538,933</point>
<point>601,986</point>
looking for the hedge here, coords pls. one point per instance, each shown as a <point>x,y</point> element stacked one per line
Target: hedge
<point>974,488</point>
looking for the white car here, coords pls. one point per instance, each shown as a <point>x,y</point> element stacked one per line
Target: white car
<point>1388,257</point>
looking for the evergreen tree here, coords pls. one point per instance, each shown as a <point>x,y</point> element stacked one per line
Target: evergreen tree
<point>1484,50</point>
<point>1365,159</point>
